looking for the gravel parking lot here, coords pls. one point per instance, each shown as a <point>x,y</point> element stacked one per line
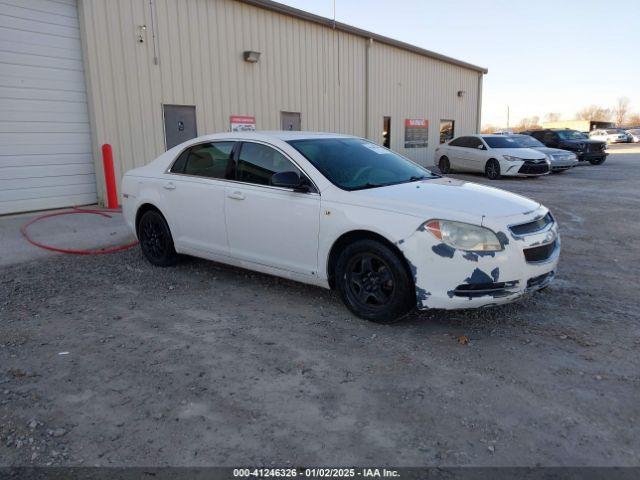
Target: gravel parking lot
<point>109,361</point>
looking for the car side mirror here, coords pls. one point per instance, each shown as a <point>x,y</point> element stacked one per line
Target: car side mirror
<point>480,147</point>
<point>289,180</point>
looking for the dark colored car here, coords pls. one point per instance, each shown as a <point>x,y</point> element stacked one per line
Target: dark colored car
<point>593,151</point>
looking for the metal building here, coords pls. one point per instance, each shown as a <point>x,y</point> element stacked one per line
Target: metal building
<point>142,75</point>
<point>580,125</point>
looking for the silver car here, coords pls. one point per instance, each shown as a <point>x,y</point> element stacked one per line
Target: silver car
<point>561,160</point>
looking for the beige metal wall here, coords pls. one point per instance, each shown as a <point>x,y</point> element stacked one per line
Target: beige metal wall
<point>304,67</point>
<point>405,85</point>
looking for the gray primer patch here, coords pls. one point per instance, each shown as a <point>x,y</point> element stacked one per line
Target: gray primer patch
<point>471,256</point>
<point>495,274</point>
<point>421,294</point>
<point>443,250</point>
<point>503,238</point>
<point>478,276</point>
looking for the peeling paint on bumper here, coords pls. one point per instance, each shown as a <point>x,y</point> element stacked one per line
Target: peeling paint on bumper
<point>456,279</point>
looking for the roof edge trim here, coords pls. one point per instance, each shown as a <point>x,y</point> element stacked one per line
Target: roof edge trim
<point>343,27</point>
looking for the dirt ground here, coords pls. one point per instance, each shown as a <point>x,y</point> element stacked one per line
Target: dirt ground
<point>110,361</point>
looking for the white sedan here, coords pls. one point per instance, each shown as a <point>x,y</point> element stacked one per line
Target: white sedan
<point>341,212</point>
<point>609,135</point>
<point>634,133</point>
<point>494,155</point>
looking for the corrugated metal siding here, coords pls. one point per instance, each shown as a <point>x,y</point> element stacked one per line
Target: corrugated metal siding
<point>45,147</point>
<point>405,85</point>
<point>304,67</point>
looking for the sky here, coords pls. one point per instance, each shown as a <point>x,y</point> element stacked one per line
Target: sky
<point>543,56</point>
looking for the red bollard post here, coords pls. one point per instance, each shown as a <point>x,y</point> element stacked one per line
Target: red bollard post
<point>109,176</point>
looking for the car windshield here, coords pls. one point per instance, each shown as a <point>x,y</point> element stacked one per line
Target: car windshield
<point>570,135</point>
<point>517,141</point>
<point>530,142</point>
<point>355,164</point>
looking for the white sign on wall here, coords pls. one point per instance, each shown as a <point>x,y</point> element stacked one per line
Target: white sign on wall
<point>242,123</point>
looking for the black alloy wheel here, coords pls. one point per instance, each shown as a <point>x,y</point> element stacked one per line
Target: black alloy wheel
<point>369,280</point>
<point>373,282</point>
<point>155,239</point>
<point>492,169</point>
<point>444,165</point>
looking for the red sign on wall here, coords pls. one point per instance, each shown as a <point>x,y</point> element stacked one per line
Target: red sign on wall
<point>416,123</point>
<point>242,123</point>
<point>416,133</point>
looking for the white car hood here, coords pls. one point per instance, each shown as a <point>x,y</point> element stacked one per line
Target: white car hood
<point>444,198</point>
<point>526,153</point>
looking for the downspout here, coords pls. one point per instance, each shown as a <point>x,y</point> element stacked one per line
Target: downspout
<point>479,106</point>
<point>366,86</point>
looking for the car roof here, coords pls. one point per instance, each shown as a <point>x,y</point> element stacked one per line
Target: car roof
<point>283,135</point>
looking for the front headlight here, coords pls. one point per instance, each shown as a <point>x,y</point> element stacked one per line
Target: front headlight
<point>464,236</point>
<point>512,159</point>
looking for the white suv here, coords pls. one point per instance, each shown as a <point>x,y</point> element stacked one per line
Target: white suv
<point>494,155</point>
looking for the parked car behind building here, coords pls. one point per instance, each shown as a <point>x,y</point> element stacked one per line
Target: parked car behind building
<point>593,151</point>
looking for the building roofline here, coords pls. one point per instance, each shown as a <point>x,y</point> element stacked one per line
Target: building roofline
<point>343,27</point>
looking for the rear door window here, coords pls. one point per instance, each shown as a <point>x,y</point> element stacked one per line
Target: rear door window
<point>210,160</point>
<point>457,142</point>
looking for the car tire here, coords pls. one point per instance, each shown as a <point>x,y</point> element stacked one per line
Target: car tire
<point>492,169</point>
<point>155,239</point>
<point>597,161</point>
<point>373,282</point>
<point>444,165</point>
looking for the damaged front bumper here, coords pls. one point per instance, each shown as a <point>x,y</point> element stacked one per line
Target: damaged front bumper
<point>447,278</point>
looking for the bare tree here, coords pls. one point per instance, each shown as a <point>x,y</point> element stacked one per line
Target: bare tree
<point>634,120</point>
<point>528,123</point>
<point>621,110</point>
<point>488,129</point>
<point>552,117</point>
<point>594,112</point>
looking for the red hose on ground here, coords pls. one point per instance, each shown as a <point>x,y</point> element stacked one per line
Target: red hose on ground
<point>102,251</point>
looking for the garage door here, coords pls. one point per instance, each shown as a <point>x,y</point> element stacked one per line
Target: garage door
<point>45,148</point>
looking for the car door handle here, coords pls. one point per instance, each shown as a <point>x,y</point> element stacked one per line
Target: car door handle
<point>169,186</point>
<point>236,195</point>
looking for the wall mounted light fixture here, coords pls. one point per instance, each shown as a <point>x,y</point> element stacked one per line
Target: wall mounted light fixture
<point>142,29</point>
<point>461,93</point>
<point>251,56</point>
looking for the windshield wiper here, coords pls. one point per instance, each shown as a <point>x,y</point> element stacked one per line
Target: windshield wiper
<point>414,178</point>
<point>369,185</point>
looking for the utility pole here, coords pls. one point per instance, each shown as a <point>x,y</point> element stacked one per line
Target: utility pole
<point>507,117</point>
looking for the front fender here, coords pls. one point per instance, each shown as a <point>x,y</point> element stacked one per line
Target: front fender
<point>337,220</point>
